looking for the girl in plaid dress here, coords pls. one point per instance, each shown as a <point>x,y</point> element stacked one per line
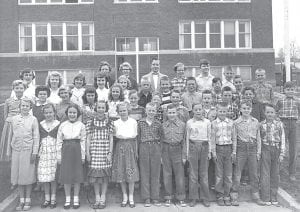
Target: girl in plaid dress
<point>99,152</point>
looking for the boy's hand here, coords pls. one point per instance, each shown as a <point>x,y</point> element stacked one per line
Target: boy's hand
<point>214,156</point>
<point>88,157</point>
<point>209,156</point>
<point>281,157</point>
<point>109,157</point>
<point>258,156</point>
<point>83,161</point>
<point>59,162</point>
<point>233,157</point>
<point>183,160</point>
<point>33,158</point>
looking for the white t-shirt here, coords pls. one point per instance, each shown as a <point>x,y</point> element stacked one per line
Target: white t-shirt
<point>155,80</point>
<point>102,94</point>
<point>125,129</point>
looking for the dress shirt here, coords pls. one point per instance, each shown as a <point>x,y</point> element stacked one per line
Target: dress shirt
<point>76,97</point>
<point>173,131</point>
<point>204,83</point>
<point>264,92</point>
<point>288,108</point>
<point>148,132</point>
<point>189,99</point>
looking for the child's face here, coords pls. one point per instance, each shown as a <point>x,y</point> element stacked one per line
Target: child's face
<point>206,98</point>
<point>260,76</point>
<point>270,113</point>
<point>165,85</point>
<point>126,70</point>
<point>156,100</point>
<point>104,70</point>
<point>289,92</point>
<point>217,86</point>
<point>25,107</point>
<point>172,114</point>
<point>238,83</point>
<point>134,99</point>
<point>227,96</point>
<point>150,111</point>
<point>245,110</point>
<point>28,77</point>
<point>115,93</point>
<point>101,108</point>
<point>191,85</point>
<point>180,71</point>
<point>49,114</point>
<point>155,66</point>
<point>90,98</point>
<point>72,114</point>
<point>249,94</point>
<point>54,82</point>
<point>64,95</point>
<point>222,112</point>
<point>19,90</point>
<point>78,82</point>
<point>175,97</point>
<point>228,74</point>
<point>123,82</point>
<point>101,82</point>
<point>123,111</point>
<point>204,68</point>
<point>42,95</point>
<point>145,86</point>
<point>198,111</point>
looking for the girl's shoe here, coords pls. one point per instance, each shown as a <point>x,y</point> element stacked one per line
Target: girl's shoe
<point>102,205</point>
<point>124,203</point>
<point>96,205</point>
<point>45,204</point>
<point>67,205</point>
<point>168,203</point>
<point>53,204</point>
<point>27,206</point>
<point>76,205</point>
<point>131,204</point>
<point>20,206</point>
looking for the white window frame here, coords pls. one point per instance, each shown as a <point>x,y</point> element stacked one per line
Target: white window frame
<point>214,1</point>
<point>64,34</point>
<point>33,2</point>
<point>135,2</point>
<point>237,33</point>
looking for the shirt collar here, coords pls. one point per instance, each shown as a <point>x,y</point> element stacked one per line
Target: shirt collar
<point>176,122</point>
<point>225,120</point>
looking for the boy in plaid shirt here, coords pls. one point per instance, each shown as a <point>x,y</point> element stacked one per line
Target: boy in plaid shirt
<point>217,90</point>
<point>263,90</point>
<point>179,82</point>
<point>272,152</point>
<point>288,110</point>
<point>233,108</point>
<point>221,139</point>
<point>149,135</point>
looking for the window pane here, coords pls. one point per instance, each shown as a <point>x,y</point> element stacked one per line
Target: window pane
<point>125,44</point>
<point>187,28</point>
<point>187,39</point>
<point>56,29</point>
<point>200,28</point>
<point>215,41</point>
<point>72,43</point>
<point>41,44</point>
<point>244,40</point>
<point>41,30</point>
<point>229,34</point>
<point>215,27</point>
<point>72,29</point>
<point>200,41</point>
<point>25,1</point>
<point>87,42</point>
<point>148,44</point>
<point>40,1</point>
<point>56,1</point>
<point>87,1</point>
<point>71,1</point>
<point>85,29</point>
<point>56,43</point>
<point>26,44</point>
<point>26,30</point>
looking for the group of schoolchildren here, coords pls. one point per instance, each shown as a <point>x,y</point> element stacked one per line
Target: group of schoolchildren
<point>128,134</point>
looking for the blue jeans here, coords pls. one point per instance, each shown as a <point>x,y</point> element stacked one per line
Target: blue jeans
<point>269,172</point>
<point>223,171</point>
<point>246,151</point>
<point>172,162</point>
<point>198,176</point>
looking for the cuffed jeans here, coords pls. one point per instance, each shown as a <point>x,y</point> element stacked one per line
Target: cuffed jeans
<point>172,161</point>
<point>246,151</point>
<point>290,129</point>
<point>269,172</point>
<point>223,171</point>
<point>150,165</point>
<point>198,177</point>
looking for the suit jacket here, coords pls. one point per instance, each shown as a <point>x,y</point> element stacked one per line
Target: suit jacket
<point>151,80</point>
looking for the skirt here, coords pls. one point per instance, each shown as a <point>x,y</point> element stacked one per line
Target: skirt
<point>47,160</point>
<point>6,138</point>
<point>71,169</point>
<point>125,166</point>
<point>22,171</point>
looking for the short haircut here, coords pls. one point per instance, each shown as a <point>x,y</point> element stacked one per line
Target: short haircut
<point>228,68</point>
<point>42,88</point>
<point>89,90</point>
<point>151,104</point>
<point>248,88</point>
<point>222,104</point>
<point>216,79</point>
<point>226,88</point>
<point>289,84</point>
<point>18,82</point>
<point>145,79</point>
<point>125,64</point>
<point>171,106</point>
<point>122,104</point>
<point>101,101</point>
<point>25,71</point>
<point>164,78</point>
<point>154,58</point>
<point>195,104</point>
<point>268,105</point>
<point>237,76</point>
<point>98,75</point>
<point>131,92</point>
<point>54,74</point>
<point>246,102</point>
<point>104,63</point>
<point>65,88</point>
<point>49,105</point>
<point>175,91</point>
<point>72,105</point>
<point>79,76</point>
<point>206,92</point>
<point>260,70</point>
<point>191,78</point>
<point>156,94</point>
<point>204,62</point>
<point>27,100</point>
<point>178,65</point>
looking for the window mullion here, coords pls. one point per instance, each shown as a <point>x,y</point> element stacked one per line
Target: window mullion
<point>222,35</point>
<point>207,35</point>
<point>49,37</point>
<point>237,37</point>
<point>193,34</point>
<point>64,37</point>
<point>79,37</point>
<point>33,37</point>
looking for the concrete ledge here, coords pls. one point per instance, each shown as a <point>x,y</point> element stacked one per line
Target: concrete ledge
<point>9,203</point>
<point>287,200</point>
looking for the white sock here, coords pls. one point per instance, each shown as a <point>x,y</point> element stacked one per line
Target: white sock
<point>68,199</point>
<point>76,199</point>
<point>53,197</point>
<point>98,198</point>
<point>130,197</point>
<point>22,200</point>
<point>27,199</point>
<point>125,197</point>
<point>47,197</point>
<point>102,198</point>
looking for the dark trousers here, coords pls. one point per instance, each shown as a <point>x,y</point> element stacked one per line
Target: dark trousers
<point>246,151</point>
<point>269,172</point>
<point>198,177</point>
<point>290,129</point>
<point>172,162</point>
<point>150,164</point>
<point>223,171</point>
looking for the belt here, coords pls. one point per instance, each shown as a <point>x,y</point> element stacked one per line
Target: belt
<point>198,142</point>
<point>272,145</point>
<point>173,144</point>
<point>289,118</point>
<point>71,140</point>
<point>223,144</point>
<point>151,142</point>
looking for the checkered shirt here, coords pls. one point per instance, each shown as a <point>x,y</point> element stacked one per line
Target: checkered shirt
<point>178,83</point>
<point>233,111</point>
<point>288,108</point>
<point>222,131</point>
<point>217,98</point>
<point>99,129</point>
<point>264,92</point>
<point>147,133</point>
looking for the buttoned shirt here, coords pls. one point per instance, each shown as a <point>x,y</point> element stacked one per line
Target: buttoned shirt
<point>182,112</point>
<point>229,84</point>
<point>264,92</point>
<point>233,111</point>
<point>179,83</point>
<point>189,99</point>
<point>11,107</point>
<point>246,131</point>
<point>125,129</point>
<point>204,83</point>
<point>173,131</point>
<point>217,98</point>
<point>222,132</point>
<point>149,132</point>
<point>272,134</point>
<point>288,108</point>
<point>26,134</point>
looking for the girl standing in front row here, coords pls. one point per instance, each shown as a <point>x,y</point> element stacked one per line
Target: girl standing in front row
<point>25,145</point>
<point>47,164</point>
<point>71,141</point>
<point>99,152</point>
<point>125,168</point>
